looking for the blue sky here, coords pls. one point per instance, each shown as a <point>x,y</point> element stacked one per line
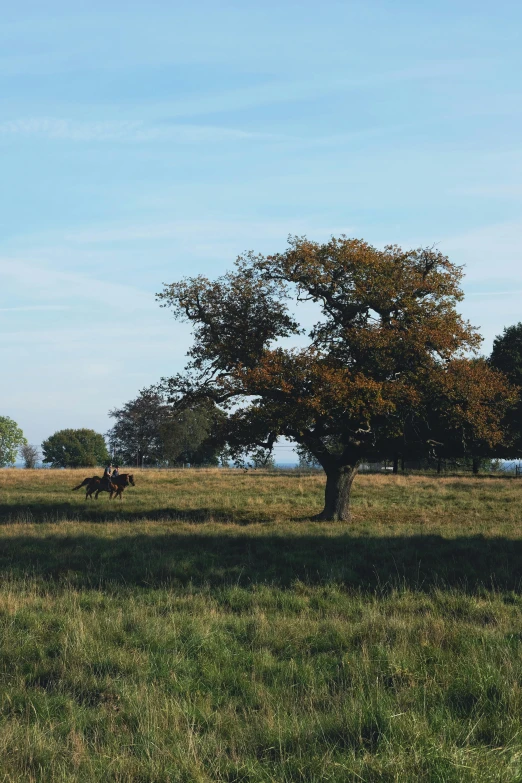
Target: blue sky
<point>141,142</point>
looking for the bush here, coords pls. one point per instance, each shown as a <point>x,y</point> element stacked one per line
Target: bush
<point>75,449</point>
<point>30,455</point>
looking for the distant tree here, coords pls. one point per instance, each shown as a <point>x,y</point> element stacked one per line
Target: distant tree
<point>506,356</point>
<point>148,427</point>
<point>388,354</point>
<point>306,458</point>
<point>11,439</point>
<point>193,435</point>
<point>451,429</point>
<point>507,353</point>
<point>261,458</point>
<point>75,449</point>
<point>30,455</point>
<point>137,430</point>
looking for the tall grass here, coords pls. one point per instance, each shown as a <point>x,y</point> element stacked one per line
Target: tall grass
<point>205,629</point>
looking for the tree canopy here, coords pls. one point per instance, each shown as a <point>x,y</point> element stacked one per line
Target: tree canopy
<point>506,356</point>
<point>385,366</point>
<point>136,432</point>
<point>148,428</point>
<point>75,449</point>
<point>11,440</point>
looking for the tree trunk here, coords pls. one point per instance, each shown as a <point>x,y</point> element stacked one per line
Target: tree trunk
<point>476,465</point>
<point>337,494</point>
<point>396,464</point>
<point>439,465</point>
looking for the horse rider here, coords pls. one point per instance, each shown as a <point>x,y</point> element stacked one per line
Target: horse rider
<point>116,471</point>
<point>107,474</point>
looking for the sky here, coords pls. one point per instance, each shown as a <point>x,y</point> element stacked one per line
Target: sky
<point>142,142</point>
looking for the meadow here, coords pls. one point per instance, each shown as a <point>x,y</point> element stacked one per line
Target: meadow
<point>205,629</point>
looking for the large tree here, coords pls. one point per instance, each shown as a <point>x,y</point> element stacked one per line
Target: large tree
<point>506,356</point>
<point>11,439</point>
<point>75,449</point>
<point>384,369</point>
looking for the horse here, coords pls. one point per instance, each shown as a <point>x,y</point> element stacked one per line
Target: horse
<point>91,485</point>
<point>116,485</point>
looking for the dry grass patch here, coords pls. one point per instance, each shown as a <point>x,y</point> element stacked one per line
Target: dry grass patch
<point>260,496</point>
<point>206,630</point>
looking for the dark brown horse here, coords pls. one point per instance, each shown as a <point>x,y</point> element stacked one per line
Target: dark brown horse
<point>95,485</point>
<point>116,485</point>
<point>91,485</point>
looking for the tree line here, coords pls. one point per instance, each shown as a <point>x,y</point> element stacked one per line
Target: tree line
<point>147,432</point>
<point>390,370</point>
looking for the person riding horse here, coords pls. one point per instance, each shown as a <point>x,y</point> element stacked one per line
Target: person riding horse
<point>107,474</point>
<point>111,483</point>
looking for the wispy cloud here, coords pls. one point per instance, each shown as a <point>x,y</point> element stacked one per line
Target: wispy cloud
<point>168,127</point>
<point>318,85</point>
<point>31,308</point>
<point>503,190</point>
<point>141,132</point>
<point>147,335</point>
<point>488,252</point>
<point>132,131</point>
<point>45,282</point>
<point>175,229</point>
<point>495,293</point>
<point>207,230</point>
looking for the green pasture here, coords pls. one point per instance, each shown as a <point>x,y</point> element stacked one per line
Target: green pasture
<point>205,629</point>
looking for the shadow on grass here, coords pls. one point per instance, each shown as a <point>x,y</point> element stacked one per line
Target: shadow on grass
<point>200,559</point>
<point>104,510</point>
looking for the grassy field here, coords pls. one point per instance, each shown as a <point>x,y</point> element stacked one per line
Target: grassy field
<point>205,629</point>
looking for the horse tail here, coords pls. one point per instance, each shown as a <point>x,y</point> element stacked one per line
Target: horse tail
<point>83,484</point>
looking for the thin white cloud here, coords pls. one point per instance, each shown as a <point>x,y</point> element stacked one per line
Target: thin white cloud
<point>31,308</point>
<point>495,293</point>
<point>141,132</point>
<point>271,92</point>
<point>313,86</point>
<point>45,282</point>
<point>494,190</point>
<point>89,333</point>
<point>174,229</point>
<point>126,131</point>
<point>207,230</point>
<point>491,252</point>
